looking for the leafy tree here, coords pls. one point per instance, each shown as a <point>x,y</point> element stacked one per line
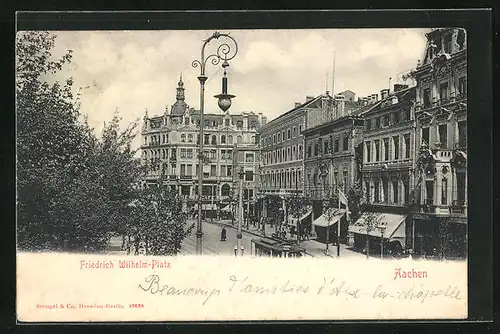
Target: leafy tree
<point>330,203</point>
<point>370,223</point>
<point>356,199</point>
<point>51,144</point>
<point>157,221</point>
<point>297,206</point>
<point>74,189</point>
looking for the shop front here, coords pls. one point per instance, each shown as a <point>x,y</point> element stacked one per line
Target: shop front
<point>440,237</point>
<point>381,229</point>
<point>327,226</point>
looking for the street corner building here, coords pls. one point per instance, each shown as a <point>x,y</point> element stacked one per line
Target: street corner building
<point>414,173</point>
<point>440,216</point>
<point>170,153</point>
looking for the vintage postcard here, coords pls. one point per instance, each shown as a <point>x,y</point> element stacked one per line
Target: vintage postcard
<point>189,175</point>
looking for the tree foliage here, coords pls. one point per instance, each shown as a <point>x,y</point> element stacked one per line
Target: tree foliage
<point>73,187</point>
<point>356,198</point>
<point>158,223</point>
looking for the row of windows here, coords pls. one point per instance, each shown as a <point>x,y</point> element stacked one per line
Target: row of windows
<point>289,178</point>
<point>190,153</point>
<point>281,136</point>
<point>210,123</point>
<point>189,138</point>
<point>388,191</point>
<point>444,91</point>
<point>327,146</point>
<point>156,139</point>
<point>387,120</point>
<point>441,135</point>
<point>387,149</point>
<point>187,170</point>
<point>291,153</point>
<point>317,179</point>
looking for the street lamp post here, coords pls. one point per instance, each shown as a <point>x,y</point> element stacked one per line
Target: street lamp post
<point>382,230</point>
<point>240,220</point>
<point>224,52</point>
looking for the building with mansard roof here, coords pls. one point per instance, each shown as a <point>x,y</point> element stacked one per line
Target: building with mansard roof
<point>170,154</point>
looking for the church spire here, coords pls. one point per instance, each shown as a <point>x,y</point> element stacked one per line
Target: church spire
<point>180,89</point>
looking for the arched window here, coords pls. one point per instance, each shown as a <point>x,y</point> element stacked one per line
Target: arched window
<point>223,139</point>
<point>253,140</point>
<point>190,138</point>
<point>225,190</point>
<point>183,138</point>
<point>214,140</point>
<point>230,139</point>
<point>239,139</point>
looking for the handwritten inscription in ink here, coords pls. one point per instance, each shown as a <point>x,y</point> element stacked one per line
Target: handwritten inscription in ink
<point>330,287</point>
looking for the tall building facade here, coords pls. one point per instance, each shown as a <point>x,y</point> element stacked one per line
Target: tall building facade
<point>283,151</point>
<point>441,139</point>
<point>170,154</point>
<point>333,151</point>
<point>388,166</point>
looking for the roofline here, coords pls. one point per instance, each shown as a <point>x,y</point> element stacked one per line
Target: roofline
<point>387,107</point>
<point>294,109</point>
<point>332,123</point>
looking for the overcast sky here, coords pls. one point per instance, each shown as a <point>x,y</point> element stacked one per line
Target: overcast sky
<point>135,70</point>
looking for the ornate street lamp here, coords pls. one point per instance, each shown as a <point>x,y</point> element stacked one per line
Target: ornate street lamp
<point>382,230</point>
<point>225,53</point>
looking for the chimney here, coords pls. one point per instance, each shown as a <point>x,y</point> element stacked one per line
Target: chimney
<point>384,93</point>
<point>297,104</point>
<point>398,87</point>
<point>309,98</point>
<point>340,104</point>
<point>365,101</point>
<point>375,98</point>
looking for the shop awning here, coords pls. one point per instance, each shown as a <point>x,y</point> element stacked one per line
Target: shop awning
<point>394,226</point>
<point>304,215</point>
<point>227,208</point>
<point>330,218</point>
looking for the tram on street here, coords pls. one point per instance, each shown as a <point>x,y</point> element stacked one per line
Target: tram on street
<point>276,248</point>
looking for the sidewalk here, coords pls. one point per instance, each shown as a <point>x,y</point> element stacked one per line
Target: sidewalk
<point>313,248</point>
